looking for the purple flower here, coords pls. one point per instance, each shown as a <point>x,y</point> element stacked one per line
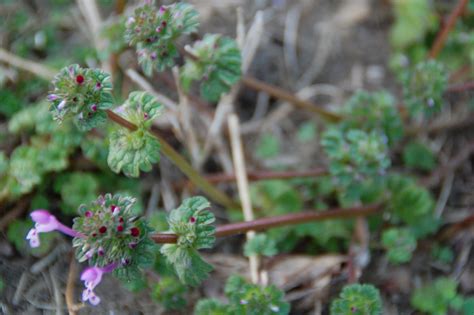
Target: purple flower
<point>130,21</point>
<point>62,105</point>
<point>46,222</point>
<point>52,97</point>
<point>92,276</point>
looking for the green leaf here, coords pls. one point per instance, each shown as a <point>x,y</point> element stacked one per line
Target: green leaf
<point>468,306</point>
<point>268,147</point>
<point>75,188</point>
<point>358,299</point>
<point>400,244</point>
<point>435,298</point>
<point>419,157</point>
<point>132,151</point>
<point>216,61</point>
<point>170,293</point>
<point>191,222</point>
<point>188,264</point>
<point>413,20</point>
<point>25,167</point>
<point>408,201</point>
<point>260,244</point>
<point>252,299</point>
<point>307,132</point>
<point>211,307</point>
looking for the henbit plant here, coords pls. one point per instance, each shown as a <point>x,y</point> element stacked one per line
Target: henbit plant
<point>358,299</point>
<point>245,298</point>
<point>439,297</point>
<point>113,240</point>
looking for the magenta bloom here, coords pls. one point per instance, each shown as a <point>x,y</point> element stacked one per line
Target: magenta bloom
<point>92,276</point>
<point>46,222</point>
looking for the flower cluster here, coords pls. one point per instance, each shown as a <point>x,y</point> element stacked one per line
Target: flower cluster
<point>107,235</point>
<point>111,233</point>
<point>355,155</point>
<point>423,87</point>
<point>46,222</point>
<point>154,32</point>
<point>83,94</point>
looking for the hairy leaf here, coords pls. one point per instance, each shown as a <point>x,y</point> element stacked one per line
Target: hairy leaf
<point>216,61</point>
<point>357,299</point>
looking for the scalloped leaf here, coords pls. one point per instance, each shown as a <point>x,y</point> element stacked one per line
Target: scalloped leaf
<point>191,222</point>
<point>188,264</point>
<point>216,61</point>
<point>400,244</point>
<point>358,299</point>
<point>132,151</point>
<point>260,244</point>
<point>246,298</point>
<point>211,307</point>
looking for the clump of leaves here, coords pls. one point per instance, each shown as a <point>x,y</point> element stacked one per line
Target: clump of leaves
<point>132,151</point>
<point>83,94</point>
<point>154,33</point>
<point>358,299</point>
<point>413,19</point>
<point>355,155</point>
<point>373,111</point>
<point>408,202</point>
<point>245,298</point>
<point>192,223</point>
<point>438,297</point>
<point>419,157</point>
<point>216,61</point>
<point>74,189</point>
<point>170,293</point>
<point>423,88</point>
<point>400,244</point>
<point>260,244</point>
<point>110,233</point>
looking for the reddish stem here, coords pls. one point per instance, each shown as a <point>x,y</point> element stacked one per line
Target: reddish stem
<point>262,175</point>
<point>450,23</point>
<point>277,221</point>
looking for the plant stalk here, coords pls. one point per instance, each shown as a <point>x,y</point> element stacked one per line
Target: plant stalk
<point>278,221</point>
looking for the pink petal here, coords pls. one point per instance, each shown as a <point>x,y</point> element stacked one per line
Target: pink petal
<point>41,216</point>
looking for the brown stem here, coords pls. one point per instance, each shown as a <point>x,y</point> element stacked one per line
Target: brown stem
<point>277,221</point>
<point>461,87</point>
<point>450,23</point>
<point>262,175</point>
<point>278,92</point>
<point>454,163</point>
<point>289,97</point>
